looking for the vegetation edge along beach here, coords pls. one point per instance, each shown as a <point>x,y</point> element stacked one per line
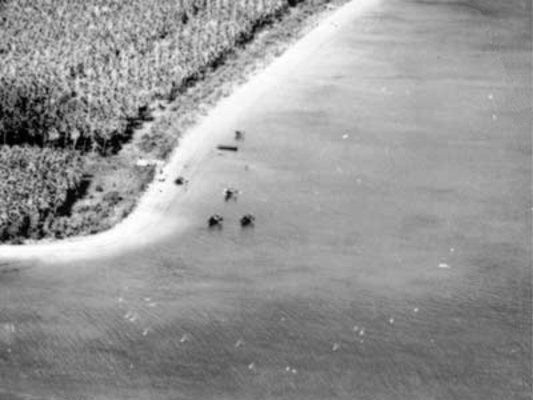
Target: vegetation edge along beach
<point>79,141</point>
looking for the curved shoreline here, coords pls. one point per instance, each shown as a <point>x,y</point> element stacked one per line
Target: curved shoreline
<point>148,222</point>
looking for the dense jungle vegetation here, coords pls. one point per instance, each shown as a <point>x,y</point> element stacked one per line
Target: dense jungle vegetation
<point>77,76</point>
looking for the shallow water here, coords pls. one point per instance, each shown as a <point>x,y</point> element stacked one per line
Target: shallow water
<point>390,177</point>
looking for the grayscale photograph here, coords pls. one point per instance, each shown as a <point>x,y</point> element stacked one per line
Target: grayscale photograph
<point>266,200</point>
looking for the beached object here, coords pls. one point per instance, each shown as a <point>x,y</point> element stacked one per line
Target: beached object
<point>180,180</point>
<point>247,220</point>
<point>230,194</point>
<point>215,220</point>
<point>227,147</point>
<point>239,135</point>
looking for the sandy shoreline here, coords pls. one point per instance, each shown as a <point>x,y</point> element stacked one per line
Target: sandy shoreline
<point>149,222</point>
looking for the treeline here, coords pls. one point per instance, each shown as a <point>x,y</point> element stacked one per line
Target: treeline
<point>35,184</point>
<point>79,73</point>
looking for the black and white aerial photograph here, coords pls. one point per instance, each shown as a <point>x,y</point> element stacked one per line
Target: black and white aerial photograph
<point>266,200</point>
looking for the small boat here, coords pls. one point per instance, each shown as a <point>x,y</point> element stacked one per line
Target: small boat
<point>239,135</point>
<point>227,147</point>
<point>247,220</point>
<point>215,220</point>
<point>230,194</point>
